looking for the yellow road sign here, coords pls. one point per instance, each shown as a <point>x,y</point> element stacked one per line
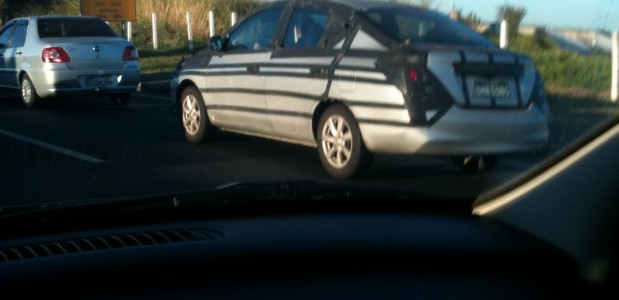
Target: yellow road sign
<point>109,10</point>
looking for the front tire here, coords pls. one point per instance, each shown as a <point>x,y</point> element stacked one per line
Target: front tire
<point>340,146</point>
<point>29,95</point>
<point>197,126</point>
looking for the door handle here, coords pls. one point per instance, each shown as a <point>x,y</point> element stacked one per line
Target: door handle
<point>18,53</point>
<point>253,69</point>
<point>321,72</point>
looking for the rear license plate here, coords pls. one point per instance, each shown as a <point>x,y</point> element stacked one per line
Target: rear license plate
<point>491,89</point>
<point>99,80</point>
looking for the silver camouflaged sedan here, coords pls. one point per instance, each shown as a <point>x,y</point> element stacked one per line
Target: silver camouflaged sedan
<point>52,55</point>
<point>353,78</point>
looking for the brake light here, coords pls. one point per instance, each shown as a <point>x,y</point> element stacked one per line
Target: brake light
<point>55,55</point>
<point>539,94</point>
<point>429,100</point>
<point>412,74</point>
<point>131,53</point>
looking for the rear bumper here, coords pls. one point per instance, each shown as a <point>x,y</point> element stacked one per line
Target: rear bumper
<point>464,132</point>
<point>57,82</point>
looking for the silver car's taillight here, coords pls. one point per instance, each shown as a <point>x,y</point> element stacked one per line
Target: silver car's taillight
<point>55,55</point>
<point>130,53</point>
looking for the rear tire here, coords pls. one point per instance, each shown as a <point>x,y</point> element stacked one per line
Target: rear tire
<point>197,126</point>
<point>340,146</point>
<point>29,95</point>
<point>120,99</point>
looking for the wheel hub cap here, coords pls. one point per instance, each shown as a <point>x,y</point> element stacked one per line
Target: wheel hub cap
<point>191,115</point>
<point>337,141</point>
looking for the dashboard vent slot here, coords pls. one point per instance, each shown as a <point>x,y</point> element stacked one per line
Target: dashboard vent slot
<point>128,240</point>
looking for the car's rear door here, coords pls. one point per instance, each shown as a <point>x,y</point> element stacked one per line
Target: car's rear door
<point>11,52</point>
<point>297,76</point>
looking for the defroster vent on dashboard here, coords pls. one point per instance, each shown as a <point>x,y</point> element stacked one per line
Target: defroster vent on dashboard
<point>128,240</point>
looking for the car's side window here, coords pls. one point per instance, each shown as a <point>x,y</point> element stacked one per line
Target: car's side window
<point>19,37</point>
<point>306,28</point>
<point>255,33</point>
<point>4,35</point>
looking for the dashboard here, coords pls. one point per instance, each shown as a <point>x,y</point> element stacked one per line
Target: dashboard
<point>282,253</point>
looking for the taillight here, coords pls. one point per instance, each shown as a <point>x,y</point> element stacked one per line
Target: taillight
<point>412,74</point>
<point>131,53</point>
<point>429,100</point>
<point>539,94</point>
<point>55,55</point>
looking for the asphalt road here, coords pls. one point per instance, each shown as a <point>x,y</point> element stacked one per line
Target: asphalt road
<point>85,148</point>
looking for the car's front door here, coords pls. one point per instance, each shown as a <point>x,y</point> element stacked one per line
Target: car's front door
<point>234,93</point>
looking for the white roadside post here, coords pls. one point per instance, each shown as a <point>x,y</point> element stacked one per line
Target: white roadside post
<point>615,76</point>
<point>211,22</point>
<point>129,30</point>
<point>154,31</point>
<point>503,41</point>
<point>189,35</point>
<point>233,19</point>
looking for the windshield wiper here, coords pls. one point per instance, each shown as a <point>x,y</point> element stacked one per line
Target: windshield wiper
<point>306,194</point>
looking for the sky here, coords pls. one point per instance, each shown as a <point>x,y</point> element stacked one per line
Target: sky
<point>582,14</point>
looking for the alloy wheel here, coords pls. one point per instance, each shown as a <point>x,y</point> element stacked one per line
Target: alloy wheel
<point>191,115</point>
<point>337,141</point>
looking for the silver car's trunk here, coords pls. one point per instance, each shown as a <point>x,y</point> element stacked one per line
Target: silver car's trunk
<point>93,53</point>
<point>487,78</point>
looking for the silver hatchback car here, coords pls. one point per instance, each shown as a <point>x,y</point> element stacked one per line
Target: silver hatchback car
<point>51,55</point>
<point>353,78</point>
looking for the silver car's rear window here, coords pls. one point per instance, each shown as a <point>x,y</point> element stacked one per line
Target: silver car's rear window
<point>73,27</point>
<point>414,26</point>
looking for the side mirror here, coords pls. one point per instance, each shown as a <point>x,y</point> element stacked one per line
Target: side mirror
<point>215,43</point>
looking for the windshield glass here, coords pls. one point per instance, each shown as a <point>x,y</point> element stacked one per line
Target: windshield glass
<point>442,100</point>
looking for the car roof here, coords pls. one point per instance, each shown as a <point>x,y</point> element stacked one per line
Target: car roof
<point>55,17</point>
<point>360,5</point>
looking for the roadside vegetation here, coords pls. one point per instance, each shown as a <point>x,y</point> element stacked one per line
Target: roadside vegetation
<point>567,72</point>
<point>578,86</point>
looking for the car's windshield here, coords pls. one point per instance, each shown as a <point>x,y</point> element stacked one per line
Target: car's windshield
<point>450,99</point>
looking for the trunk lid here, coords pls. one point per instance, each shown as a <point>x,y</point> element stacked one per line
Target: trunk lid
<point>484,78</point>
<point>93,53</point>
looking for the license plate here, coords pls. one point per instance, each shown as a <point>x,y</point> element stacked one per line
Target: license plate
<point>100,81</point>
<point>491,89</point>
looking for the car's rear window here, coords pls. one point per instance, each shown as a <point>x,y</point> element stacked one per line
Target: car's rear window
<point>413,26</point>
<point>73,27</point>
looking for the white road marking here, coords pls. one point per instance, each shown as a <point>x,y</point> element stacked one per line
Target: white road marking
<point>52,147</point>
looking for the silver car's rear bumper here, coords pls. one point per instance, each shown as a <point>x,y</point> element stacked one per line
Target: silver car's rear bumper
<point>463,132</point>
<point>66,81</point>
